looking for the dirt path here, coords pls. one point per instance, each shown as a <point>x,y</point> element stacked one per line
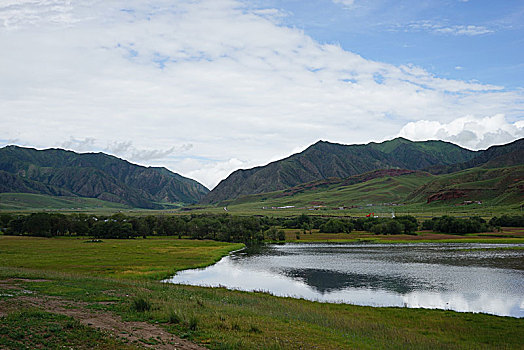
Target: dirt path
<point>133,332</point>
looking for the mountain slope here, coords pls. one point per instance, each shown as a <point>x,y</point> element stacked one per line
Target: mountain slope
<point>324,160</point>
<point>494,157</point>
<point>93,175</point>
<point>494,186</point>
<point>503,185</point>
<point>379,186</point>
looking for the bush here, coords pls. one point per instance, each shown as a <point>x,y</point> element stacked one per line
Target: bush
<point>140,304</point>
<point>192,323</point>
<point>429,224</point>
<point>174,317</point>
<point>448,224</point>
<point>508,221</point>
<point>389,227</point>
<point>409,223</point>
<point>271,233</point>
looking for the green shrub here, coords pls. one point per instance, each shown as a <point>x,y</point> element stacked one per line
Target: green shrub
<point>508,221</point>
<point>174,317</point>
<point>140,304</point>
<point>192,323</point>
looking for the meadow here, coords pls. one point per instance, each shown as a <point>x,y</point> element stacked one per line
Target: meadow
<point>153,258</point>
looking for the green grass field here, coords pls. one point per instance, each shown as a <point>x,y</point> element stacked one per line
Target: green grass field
<point>111,276</point>
<point>152,258</point>
<point>15,202</point>
<point>506,236</point>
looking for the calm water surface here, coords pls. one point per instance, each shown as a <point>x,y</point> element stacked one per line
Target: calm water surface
<point>474,277</point>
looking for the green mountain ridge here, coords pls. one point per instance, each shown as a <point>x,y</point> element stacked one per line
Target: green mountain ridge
<point>493,157</point>
<point>491,186</point>
<point>324,160</point>
<point>59,172</point>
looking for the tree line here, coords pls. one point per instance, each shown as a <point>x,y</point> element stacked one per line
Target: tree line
<point>230,228</point>
<point>225,227</point>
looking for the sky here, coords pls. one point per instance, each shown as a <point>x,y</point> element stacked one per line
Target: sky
<point>205,87</point>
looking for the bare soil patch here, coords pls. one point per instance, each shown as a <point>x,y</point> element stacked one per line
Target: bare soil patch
<point>142,334</point>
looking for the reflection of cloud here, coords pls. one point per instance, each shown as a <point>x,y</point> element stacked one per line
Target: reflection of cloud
<point>481,302</point>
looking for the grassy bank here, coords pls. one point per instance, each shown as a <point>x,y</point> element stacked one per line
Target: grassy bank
<point>151,258</point>
<point>65,268</point>
<point>505,236</point>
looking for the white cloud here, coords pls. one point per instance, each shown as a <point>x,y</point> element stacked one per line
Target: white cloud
<point>470,132</point>
<point>144,80</point>
<point>439,28</point>
<point>79,145</point>
<point>212,173</point>
<point>125,149</point>
<point>346,3</point>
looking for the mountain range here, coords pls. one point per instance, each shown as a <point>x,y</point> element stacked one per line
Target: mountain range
<point>58,172</point>
<point>393,170</point>
<point>325,160</point>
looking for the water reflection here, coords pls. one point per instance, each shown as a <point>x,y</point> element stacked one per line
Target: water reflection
<point>325,281</point>
<point>463,277</point>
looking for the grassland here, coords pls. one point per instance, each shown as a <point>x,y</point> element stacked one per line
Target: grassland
<point>15,202</point>
<point>152,258</point>
<point>506,235</point>
<point>420,211</point>
<point>111,276</point>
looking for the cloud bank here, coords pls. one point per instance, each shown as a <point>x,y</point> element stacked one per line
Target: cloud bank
<point>469,131</point>
<point>205,87</point>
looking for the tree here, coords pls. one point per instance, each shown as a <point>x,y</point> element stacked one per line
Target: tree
<point>409,223</point>
<point>271,233</point>
<point>336,226</point>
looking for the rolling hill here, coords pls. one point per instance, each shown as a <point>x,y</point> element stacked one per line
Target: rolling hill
<point>58,172</point>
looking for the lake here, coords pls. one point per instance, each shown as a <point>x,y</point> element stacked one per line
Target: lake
<point>467,277</point>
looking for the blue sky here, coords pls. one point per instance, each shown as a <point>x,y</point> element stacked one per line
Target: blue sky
<point>467,40</point>
<point>205,87</point>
